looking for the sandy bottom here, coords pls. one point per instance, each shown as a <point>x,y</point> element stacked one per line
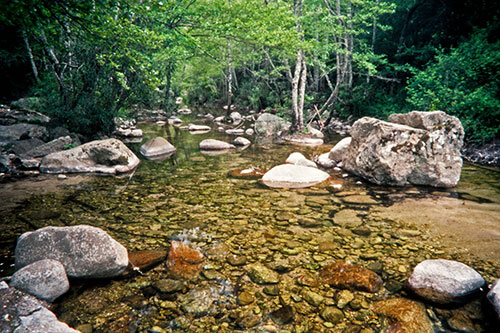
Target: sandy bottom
<point>466,226</point>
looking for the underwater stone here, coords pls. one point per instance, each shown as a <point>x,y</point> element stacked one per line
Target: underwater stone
<point>262,275</point>
<point>445,281</point>
<point>85,251</point>
<point>406,315</point>
<point>45,279</point>
<point>184,261</point>
<point>348,276</point>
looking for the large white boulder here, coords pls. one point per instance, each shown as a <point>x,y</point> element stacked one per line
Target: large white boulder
<point>105,156</point>
<point>84,251</point>
<point>422,148</point>
<point>293,176</point>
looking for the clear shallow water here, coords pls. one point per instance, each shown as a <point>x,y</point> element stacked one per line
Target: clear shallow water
<point>191,197</point>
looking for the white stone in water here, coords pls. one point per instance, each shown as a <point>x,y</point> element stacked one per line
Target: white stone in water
<point>293,176</point>
<point>212,144</point>
<point>193,127</point>
<point>299,159</point>
<point>494,297</point>
<point>241,141</point>
<point>62,177</point>
<point>339,150</point>
<point>157,146</point>
<point>324,161</point>
<point>445,281</point>
<point>249,131</point>
<point>235,131</point>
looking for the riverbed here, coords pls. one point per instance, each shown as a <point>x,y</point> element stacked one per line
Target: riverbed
<point>190,197</point>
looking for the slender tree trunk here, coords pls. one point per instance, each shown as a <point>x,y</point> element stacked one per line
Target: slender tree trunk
<point>229,78</point>
<point>30,56</point>
<point>302,93</point>
<point>295,91</point>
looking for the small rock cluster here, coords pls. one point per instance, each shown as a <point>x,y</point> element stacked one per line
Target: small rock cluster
<point>45,258</point>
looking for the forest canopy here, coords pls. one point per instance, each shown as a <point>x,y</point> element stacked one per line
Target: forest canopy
<point>88,61</point>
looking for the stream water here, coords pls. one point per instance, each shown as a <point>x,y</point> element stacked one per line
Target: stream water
<point>190,197</point>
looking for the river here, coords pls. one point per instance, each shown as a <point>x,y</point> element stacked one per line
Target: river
<point>191,197</point>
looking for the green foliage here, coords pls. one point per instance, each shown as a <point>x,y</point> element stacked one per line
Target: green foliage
<point>464,82</point>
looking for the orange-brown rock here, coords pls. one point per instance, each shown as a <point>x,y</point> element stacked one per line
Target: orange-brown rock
<point>143,260</point>
<point>184,261</point>
<point>405,316</point>
<point>348,276</point>
<point>250,173</point>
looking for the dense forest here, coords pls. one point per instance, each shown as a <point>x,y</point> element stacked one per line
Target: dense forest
<point>87,61</point>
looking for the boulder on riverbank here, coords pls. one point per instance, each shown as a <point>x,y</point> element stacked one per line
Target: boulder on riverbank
<point>445,281</point>
<point>84,251</point>
<point>293,176</point>
<point>109,156</point>
<point>25,313</point>
<point>270,125</point>
<point>419,148</point>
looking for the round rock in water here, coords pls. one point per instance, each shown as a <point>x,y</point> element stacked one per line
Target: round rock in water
<point>241,141</point>
<point>339,150</point>
<point>212,144</point>
<point>494,297</point>
<point>157,146</point>
<point>84,251</point>
<point>45,279</point>
<point>445,281</point>
<point>293,176</point>
<point>299,159</point>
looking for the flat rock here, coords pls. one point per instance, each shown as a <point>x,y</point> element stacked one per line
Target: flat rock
<point>50,147</point>
<point>235,131</point>
<point>22,131</point>
<point>349,276</point>
<point>304,141</point>
<point>212,144</point>
<point>84,251</point>
<point>405,315</point>
<point>494,297</point>
<point>184,111</point>
<point>11,116</point>
<point>45,279</point>
<point>299,159</point>
<point>241,141</point>
<point>147,259</point>
<point>109,156</point>
<point>157,146</point>
<point>260,274</point>
<point>195,128</point>
<point>338,151</point>
<point>168,285</point>
<point>293,176</point>
<point>445,281</point>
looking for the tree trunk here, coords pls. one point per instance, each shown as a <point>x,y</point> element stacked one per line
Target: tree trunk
<point>229,78</point>
<point>295,92</point>
<point>30,56</point>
